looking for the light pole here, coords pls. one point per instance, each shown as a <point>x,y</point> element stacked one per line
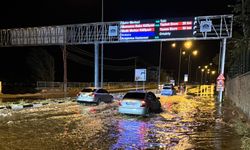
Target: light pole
<point>159,69</point>
<point>212,74</point>
<point>102,49</point>
<point>179,68</point>
<point>196,75</point>
<point>187,45</point>
<point>202,70</point>
<point>195,52</point>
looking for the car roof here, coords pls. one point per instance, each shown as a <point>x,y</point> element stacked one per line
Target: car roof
<point>138,91</point>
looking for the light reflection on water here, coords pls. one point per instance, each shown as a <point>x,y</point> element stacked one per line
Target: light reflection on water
<point>131,134</point>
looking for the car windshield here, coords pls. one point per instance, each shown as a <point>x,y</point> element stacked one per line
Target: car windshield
<point>167,87</point>
<point>88,90</point>
<point>134,96</point>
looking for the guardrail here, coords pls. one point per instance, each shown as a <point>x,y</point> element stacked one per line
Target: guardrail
<point>107,85</point>
<point>202,90</point>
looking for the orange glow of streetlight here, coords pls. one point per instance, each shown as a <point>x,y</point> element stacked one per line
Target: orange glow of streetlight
<point>183,53</point>
<point>213,72</point>
<point>206,67</point>
<point>195,52</point>
<point>188,44</point>
<point>173,45</point>
<point>202,70</point>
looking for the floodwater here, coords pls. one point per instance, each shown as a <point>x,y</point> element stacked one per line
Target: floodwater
<point>184,124</point>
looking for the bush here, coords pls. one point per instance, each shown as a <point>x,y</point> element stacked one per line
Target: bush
<point>241,128</point>
<point>245,143</point>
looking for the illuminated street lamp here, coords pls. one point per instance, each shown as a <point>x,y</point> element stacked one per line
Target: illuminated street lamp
<point>195,53</point>
<point>211,75</point>
<point>173,45</point>
<point>202,70</point>
<point>196,76</point>
<point>187,45</point>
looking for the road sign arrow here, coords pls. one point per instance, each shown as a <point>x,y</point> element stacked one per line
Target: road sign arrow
<point>221,77</point>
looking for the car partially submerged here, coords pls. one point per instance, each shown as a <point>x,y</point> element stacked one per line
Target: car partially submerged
<point>94,95</point>
<point>139,103</point>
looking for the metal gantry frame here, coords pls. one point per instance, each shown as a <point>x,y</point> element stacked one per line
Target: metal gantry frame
<point>91,33</point>
<point>98,33</point>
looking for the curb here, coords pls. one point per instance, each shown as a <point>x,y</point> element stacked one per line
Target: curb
<point>35,105</point>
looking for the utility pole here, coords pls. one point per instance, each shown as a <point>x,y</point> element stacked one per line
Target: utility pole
<point>179,69</point>
<point>223,57</point>
<point>136,82</point>
<point>102,48</point>
<point>96,65</point>
<point>159,69</point>
<point>189,76</point>
<point>64,49</point>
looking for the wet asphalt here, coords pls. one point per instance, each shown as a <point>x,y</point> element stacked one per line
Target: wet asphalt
<point>185,123</point>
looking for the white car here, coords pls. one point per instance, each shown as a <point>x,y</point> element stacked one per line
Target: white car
<point>93,95</point>
<point>139,103</point>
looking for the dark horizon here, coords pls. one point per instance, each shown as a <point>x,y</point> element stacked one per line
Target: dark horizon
<point>13,59</point>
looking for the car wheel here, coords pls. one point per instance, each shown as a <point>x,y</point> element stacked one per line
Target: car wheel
<point>155,107</point>
<point>98,101</point>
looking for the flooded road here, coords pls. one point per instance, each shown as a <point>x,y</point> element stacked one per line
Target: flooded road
<point>185,123</point>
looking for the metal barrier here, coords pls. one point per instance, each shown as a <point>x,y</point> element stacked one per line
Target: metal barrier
<point>106,85</point>
<point>202,90</point>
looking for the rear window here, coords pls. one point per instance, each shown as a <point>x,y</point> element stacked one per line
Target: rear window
<point>135,95</point>
<point>88,90</point>
<point>167,87</point>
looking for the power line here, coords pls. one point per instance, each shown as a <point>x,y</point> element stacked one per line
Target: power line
<point>81,51</point>
<point>82,61</point>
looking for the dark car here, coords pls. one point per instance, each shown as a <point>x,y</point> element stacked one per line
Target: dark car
<point>139,103</point>
<point>93,95</point>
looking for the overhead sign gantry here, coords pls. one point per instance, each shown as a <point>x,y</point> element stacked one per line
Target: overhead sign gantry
<point>190,28</point>
<point>196,28</point>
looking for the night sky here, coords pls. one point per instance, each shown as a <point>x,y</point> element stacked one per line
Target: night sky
<point>15,14</point>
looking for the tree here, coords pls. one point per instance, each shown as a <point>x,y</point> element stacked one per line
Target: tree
<point>239,46</point>
<point>41,64</point>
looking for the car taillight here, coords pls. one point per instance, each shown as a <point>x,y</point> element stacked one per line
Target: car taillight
<point>143,104</point>
<point>92,94</point>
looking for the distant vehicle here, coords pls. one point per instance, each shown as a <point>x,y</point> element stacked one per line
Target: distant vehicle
<point>139,103</point>
<point>93,95</point>
<point>168,89</point>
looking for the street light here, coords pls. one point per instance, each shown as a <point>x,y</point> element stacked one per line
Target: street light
<point>173,45</point>
<point>187,45</point>
<point>212,73</point>
<point>202,70</point>
<point>195,52</point>
<point>196,75</point>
